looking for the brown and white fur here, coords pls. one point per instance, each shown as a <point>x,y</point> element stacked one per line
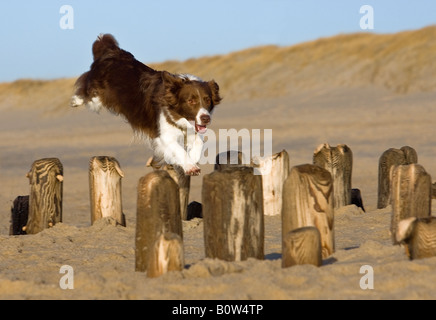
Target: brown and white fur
<point>171,111</point>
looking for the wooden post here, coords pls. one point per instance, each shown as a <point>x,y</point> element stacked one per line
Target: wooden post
<point>229,158</point>
<point>302,246</point>
<point>184,183</point>
<point>411,194</point>
<point>389,158</point>
<point>195,210</point>
<point>356,198</point>
<point>45,200</point>
<point>433,187</point>
<point>179,176</point>
<point>165,255</point>
<point>19,215</point>
<point>105,189</point>
<point>419,235</point>
<point>308,201</point>
<point>158,212</point>
<point>339,162</point>
<point>410,155</point>
<point>274,171</point>
<point>233,214</point>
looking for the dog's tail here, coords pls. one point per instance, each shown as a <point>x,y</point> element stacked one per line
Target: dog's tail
<point>104,44</point>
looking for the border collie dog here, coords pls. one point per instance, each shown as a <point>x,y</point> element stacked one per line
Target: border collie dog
<point>171,111</point>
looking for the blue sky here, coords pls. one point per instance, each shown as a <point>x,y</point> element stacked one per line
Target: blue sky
<point>33,44</point>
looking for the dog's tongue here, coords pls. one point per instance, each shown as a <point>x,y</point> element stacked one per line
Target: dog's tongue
<point>200,129</point>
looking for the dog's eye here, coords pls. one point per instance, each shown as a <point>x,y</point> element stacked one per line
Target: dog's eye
<point>206,100</point>
<point>191,101</point>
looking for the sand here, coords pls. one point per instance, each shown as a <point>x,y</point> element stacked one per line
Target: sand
<point>369,118</point>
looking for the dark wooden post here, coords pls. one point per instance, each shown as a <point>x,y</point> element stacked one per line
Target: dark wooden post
<point>302,246</point>
<point>105,189</point>
<point>389,158</point>
<point>233,214</point>
<point>339,162</point>
<point>274,171</point>
<point>195,210</point>
<point>308,201</point>
<point>45,201</point>
<point>229,158</point>
<point>419,235</point>
<point>158,212</point>
<point>356,198</point>
<point>165,255</point>
<point>19,215</point>
<point>411,194</point>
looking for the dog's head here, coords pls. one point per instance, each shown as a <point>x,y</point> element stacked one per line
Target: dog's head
<point>191,98</point>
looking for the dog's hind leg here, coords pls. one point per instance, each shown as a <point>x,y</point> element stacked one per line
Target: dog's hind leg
<point>155,162</point>
<point>80,91</point>
<point>77,101</point>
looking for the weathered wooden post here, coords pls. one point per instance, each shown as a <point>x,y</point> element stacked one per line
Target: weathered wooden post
<point>195,210</point>
<point>179,176</point>
<point>158,212</point>
<point>233,214</point>
<point>433,187</point>
<point>308,201</point>
<point>165,255</point>
<point>302,246</point>
<point>229,158</point>
<point>274,170</point>
<point>45,200</point>
<point>411,194</point>
<point>105,189</point>
<point>184,183</point>
<point>19,215</point>
<point>389,158</point>
<point>419,235</point>
<point>356,198</point>
<point>339,162</point>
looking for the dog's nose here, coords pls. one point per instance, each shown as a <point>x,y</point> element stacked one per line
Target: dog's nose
<point>205,119</point>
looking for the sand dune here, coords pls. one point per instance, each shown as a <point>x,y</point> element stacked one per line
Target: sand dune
<point>371,92</point>
<point>402,63</point>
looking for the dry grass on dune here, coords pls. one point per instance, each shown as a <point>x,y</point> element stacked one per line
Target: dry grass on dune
<point>50,96</point>
<point>402,62</point>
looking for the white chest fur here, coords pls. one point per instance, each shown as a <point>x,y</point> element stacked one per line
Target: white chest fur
<point>178,145</point>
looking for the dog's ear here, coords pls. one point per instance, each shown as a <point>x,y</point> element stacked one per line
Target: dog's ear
<point>172,85</point>
<point>171,80</point>
<point>214,87</point>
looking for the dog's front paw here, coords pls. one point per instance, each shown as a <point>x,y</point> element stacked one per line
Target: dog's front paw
<point>192,171</point>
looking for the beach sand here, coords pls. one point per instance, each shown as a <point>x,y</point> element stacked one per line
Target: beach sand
<point>368,118</point>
